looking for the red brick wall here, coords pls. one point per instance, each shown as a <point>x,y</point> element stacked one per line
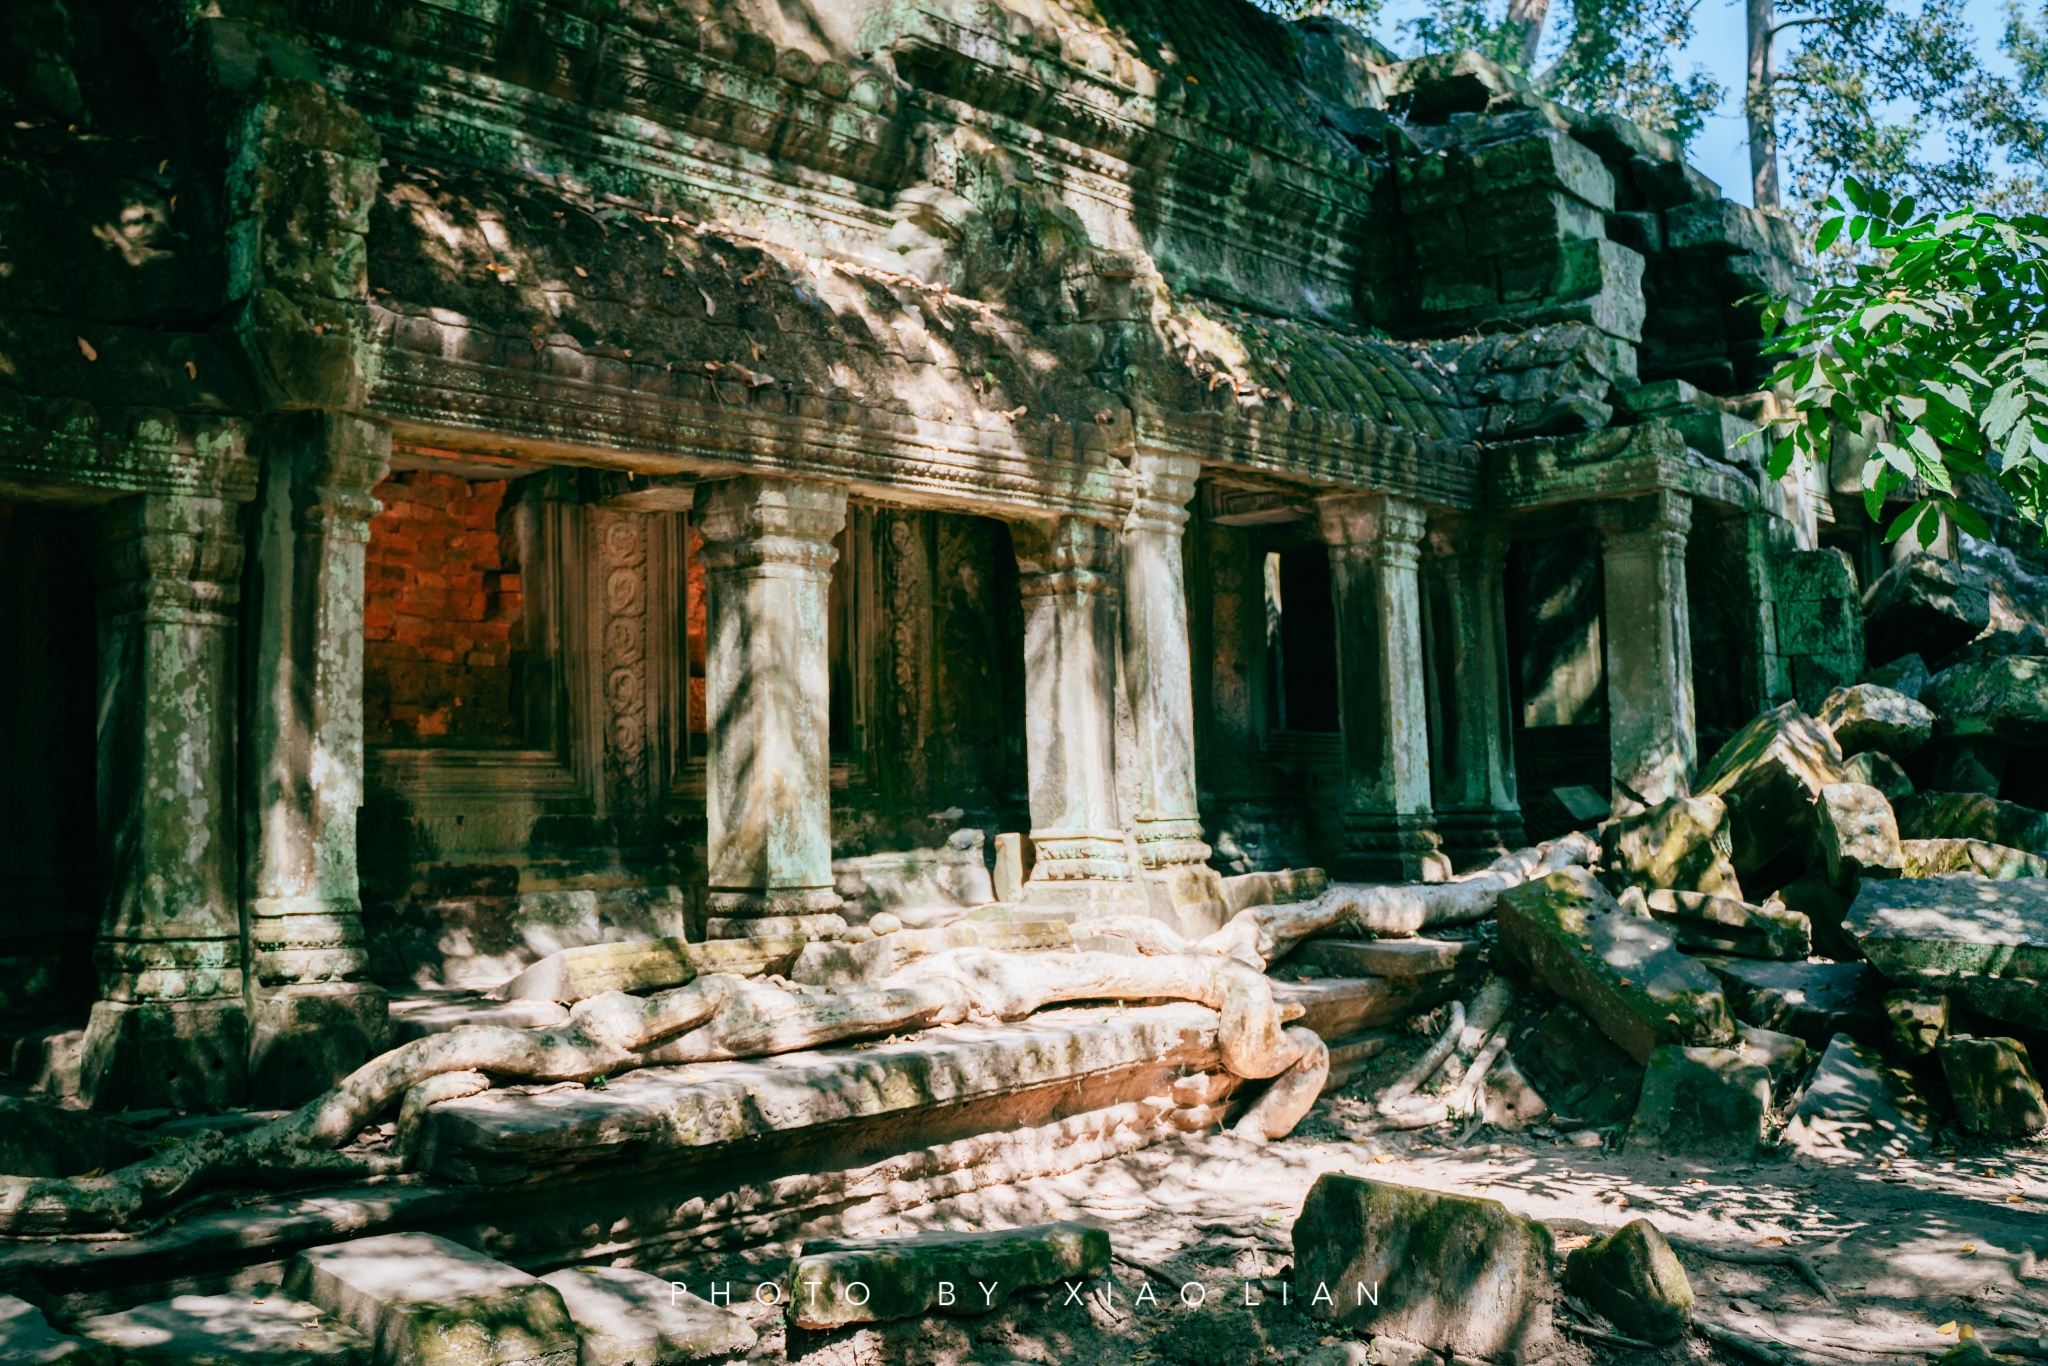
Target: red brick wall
<point>442,638</point>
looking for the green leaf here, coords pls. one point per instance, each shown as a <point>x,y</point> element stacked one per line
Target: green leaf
<point>1829,231</point>
<point>1904,521</point>
<point>1968,519</point>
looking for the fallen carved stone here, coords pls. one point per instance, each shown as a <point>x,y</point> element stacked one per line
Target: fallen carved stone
<point>833,1282</point>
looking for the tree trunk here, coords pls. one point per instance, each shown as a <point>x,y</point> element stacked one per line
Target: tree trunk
<point>1757,104</point>
<point>1527,18</point>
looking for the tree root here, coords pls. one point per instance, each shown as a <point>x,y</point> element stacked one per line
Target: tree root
<point>1757,1256</point>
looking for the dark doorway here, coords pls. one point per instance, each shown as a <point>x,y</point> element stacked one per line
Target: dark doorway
<point>1301,640</point>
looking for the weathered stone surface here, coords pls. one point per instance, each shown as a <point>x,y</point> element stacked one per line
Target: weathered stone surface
<point>1770,774</point>
<point>1635,1279</point>
<point>1814,1001</point>
<point>1624,971</point>
<point>625,1317</point>
<point>426,1301</point>
<point>837,963</point>
<point>1925,606</point>
<point>1858,836</point>
<point>1782,1055</point>
<point>1581,1070</point>
<point>1856,1105</point>
<point>1906,675</point>
<point>1961,933</point>
<point>837,1281</point>
<point>1273,889</point>
<point>1919,1020</point>
<point>2003,699</point>
<point>1701,923</point>
<point>1389,957</point>
<point>1874,768</point>
<point>1932,858</point>
<point>1339,1007</point>
<point>1865,716</point>
<point>1705,1104</point>
<point>1993,1085</point>
<point>261,1329</point>
<point>1679,843</point>
<point>40,1138</point>
<point>1968,764</point>
<point>645,965</point>
<point>1967,815</point>
<point>1824,905</point>
<point>1510,1102</point>
<point>1448,1270</point>
<point>954,874</point>
<point>27,1339</point>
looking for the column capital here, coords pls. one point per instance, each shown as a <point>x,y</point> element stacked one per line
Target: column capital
<point>340,458</point>
<point>1066,554</point>
<point>1371,526</point>
<point>1164,486</point>
<point>169,555</point>
<point>1454,535</point>
<point>1644,525</point>
<point>755,521</point>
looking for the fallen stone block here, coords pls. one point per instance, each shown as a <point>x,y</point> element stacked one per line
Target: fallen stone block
<point>1984,939</point>
<point>1279,888</point>
<point>1856,1106</point>
<point>1389,957</point>
<point>2003,699</point>
<point>1679,843</point>
<point>1932,858</point>
<point>1701,1104</point>
<point>625,1317</point>
<point>1811,1001</point>
<point>1701,923</point>
<point>1858,837</point>
<point>1509,1102</point>
<point>1622,970</point>
<point>1586,1077</point>
<point>27,1339</point>
<point>1874,768</point>
<point>1993,1086</point>
<point>242,1328</point>
<point>836,1281</point>
<point>1449,1270</point>
<point>1906,675</point>
<point>1635,1279</point>
<point>1925,606</point>
<point>1865,716</point>
<point>1968,815</point>
<point>426,1301</point>
<point>1770,774</point>
<point>1781,1055</point>
<point>645,965</point>
<point>1825,906</point>
<point>1339,1007</point>
<point>41,1138</point>
<point>1919,1020</point>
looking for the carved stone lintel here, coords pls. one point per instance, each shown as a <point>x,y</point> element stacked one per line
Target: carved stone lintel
<point>1649,649</point>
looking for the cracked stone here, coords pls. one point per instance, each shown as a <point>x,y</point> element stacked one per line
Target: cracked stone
<point>1865,716</point>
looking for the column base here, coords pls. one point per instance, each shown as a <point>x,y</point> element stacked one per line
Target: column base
<point>1188,898</point>
<point>176,1055</point>
<point>307,1038</point>
<point>1388,848</point>
<point>1073,899</point>
<point>1473,839</point>
<point>798,913</point>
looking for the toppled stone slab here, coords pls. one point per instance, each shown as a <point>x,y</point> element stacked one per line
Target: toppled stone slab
<point>1682,842</point>
<point>1906,675</point>
<point>1581,1070</point>
<point>2004,699</point>
<point>27,1339</point>
<point>1984,939</point>
<point>1635,1279</point>
<point>1873,768</point>
<point>1858,836</point>
<point>426,1301</point>
<point>1449,1270</point>
<point>1919,1020</point>
<point>645,965</point>
<point>1622,970</point>
<point>1701,923</point>
<point>1825,906</point>
<point>1993,1086</point>
<point>1389,957</point>
<point>1279,888</point>
<point>1509,1101</point>
<point>243,1328</point>
<point>1701,1104</point>
<point>629,1318</point>
<point>1339,1007</point>
<point>1969,815</point>
<point>1770,774</point>
<point>838,963</point>
<point>836,1281</point>
<point>1856,1106</point>
<point>1925,606</point>
<point>1865,716</point>
<point>1811,1001</point>
<point>1781,1055</point>
<point>1932,858</point>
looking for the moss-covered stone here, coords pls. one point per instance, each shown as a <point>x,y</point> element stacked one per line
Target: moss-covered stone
<point>1814,1001</point>
<point>1770,773</point>
<point>2005,699</point>
<point>1706,1104</point>
<point>1858,836</point>
<point>1961,933</point>
<point>1635,1279</point>
<point>1970,815</point>
<point>1925,606</point>
<point>1993,1085</point>
<point>1701,923</point>
<point>1867,717</point>
<point>1919,1020</point>
<point>1679,843</point>
<point>1932,858</point>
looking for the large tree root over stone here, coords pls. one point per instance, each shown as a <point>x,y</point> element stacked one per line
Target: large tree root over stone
<point>718,1016</point>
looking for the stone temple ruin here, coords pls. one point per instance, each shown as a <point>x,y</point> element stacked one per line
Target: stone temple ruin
<point>642,608</point>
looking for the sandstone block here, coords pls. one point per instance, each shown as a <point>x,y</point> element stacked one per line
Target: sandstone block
<point>1782,1055</point>
<point>1273,888</point>
<point>1770,774</point>
<point>1448,1270</point>
<point>1813,1001</point>
<point>1857,1106</point>
<point>1858,836</point>
<point>1906,675</point>
<point>833,1282</point>
<point>1967,815</point>
<point>41,1138</point>
<point>629,1318</point>
<point>1824,906</point>
<point>426,1301</point>
<point>1919,1020</point>
<point>1993,1085</point>
<point>839,963</point>
<point>27,1339</point>
<point>1932,858</point>
<point>1959,933</point>
<point>1924,606</point>
<point>1623,971</point>
<point>1586,1076</point>
<point>1389,957</point>
<point>1865,716</point>
<point>2005,700</point>
<point>1701,923</point>
<point>1510,1102</point>
<point>1874,768</point>
<point>1681,843</point>
<point>1704,1104</point>
<point>243,1328</point>
<point>644,965</point>
<point>1635,1279</point>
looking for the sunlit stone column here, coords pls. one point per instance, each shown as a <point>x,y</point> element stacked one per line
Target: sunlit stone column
<point>1649,649</point>
<point>768,558</point>
<point>1472,756</point>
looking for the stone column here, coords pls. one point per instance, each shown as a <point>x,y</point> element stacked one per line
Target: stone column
<point>1649,649</point>
<point>1472,755</point>
<point>170,1027</point>
<point>315,1019</point>
<point>1181,888</point>
<point>768,559</point>
<point>1382,705</point>
<point>1067,571</point>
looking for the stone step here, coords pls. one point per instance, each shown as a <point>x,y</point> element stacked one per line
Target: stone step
<point>1338,1007</point>
<point>240,1328</point>
<point>629,1318</point>
<point>27,1339</point>
<point>423,1300</point>
<point>1388,957</point>
<point>833,1282</point>
<point>646,965</point>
